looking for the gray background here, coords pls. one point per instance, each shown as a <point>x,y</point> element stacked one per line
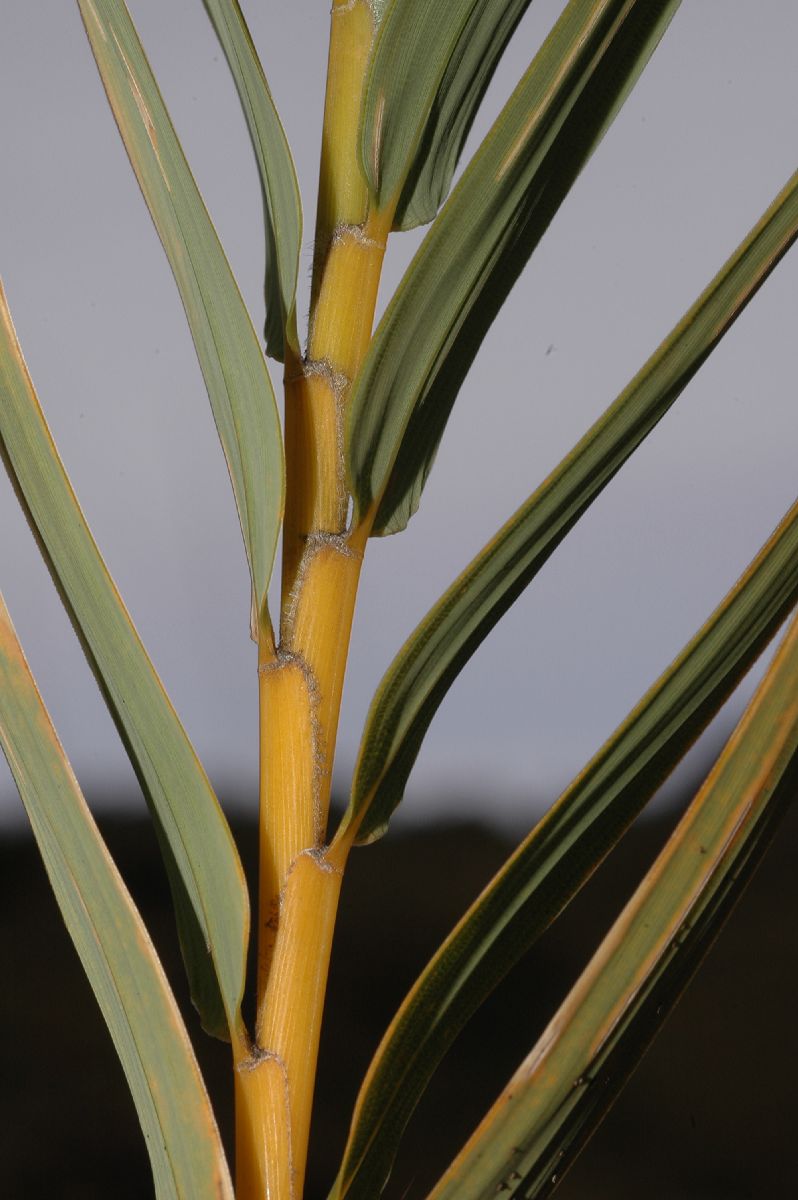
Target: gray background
<point>700,149</point>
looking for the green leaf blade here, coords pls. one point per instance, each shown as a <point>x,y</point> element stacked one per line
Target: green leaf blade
<point>204,869</point>
<point>431,659</point>
<point>232,363</point>
<point>561,1091</point>
<point>479,243</point>
<point>120,962</point>
<point>561,852</point>
<point>431,65</point>
<point>277,174</point>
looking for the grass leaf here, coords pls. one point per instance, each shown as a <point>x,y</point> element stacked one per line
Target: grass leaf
<point>559,1094</point>
<point>227,346</point>
<point>431,65</point>
<point>561,852</point>
<point>204,869</point>
<point>426,666</point>
<point>117,955</point>
<point>480,242</point>
<point>283,207</point>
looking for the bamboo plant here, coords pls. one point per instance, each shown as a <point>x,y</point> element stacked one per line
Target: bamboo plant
<point>365,410</point>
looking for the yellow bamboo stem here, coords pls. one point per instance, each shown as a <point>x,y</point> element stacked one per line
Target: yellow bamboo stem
<point>341,330</point>
<point>317,390</point>
<point>289,1023</point>
<point>343,195</point>
<point>346,269</point>
<point>264,1166</point>
<point>290,818</point>
<point>315,497</point>
<point>321,628</point>
<point>301,681</point>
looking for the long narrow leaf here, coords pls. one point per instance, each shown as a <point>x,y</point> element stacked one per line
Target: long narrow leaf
<point>430,660</point>
<point>431,65</point>
<point>480,242</point>
<point>558,856</point>
<point>119,960</point>
<point>283,207</point>
<point>564,1087</point>
<point>227,346</point>
<point>204,869</point>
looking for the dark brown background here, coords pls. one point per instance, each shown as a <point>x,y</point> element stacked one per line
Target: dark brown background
<point>710,1114</point>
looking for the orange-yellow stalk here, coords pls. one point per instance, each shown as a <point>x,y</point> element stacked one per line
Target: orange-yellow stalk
<point>301,680</point>
<point>287,769</point>
<point>316,391</point>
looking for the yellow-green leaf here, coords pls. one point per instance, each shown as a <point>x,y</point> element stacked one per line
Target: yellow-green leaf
<point>559,1094</point>
<point>431,64</point>
<point>228,350</point>
<point>118,957</point>
<point>479,243</point>
<point>560,853</point>
<point>283,207</point>
<point>422,672</point>
<point>204,868</point>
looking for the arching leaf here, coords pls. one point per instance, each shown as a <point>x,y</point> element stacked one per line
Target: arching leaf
<point>479,243</point>
<point>282,204</point>
<point>204,869</point>
<point>229,354</point>
<point>431,65</point>
<point>559,1094</point>
<point>428,663</point>
<point>561,852</point>
<point>118,957</point>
